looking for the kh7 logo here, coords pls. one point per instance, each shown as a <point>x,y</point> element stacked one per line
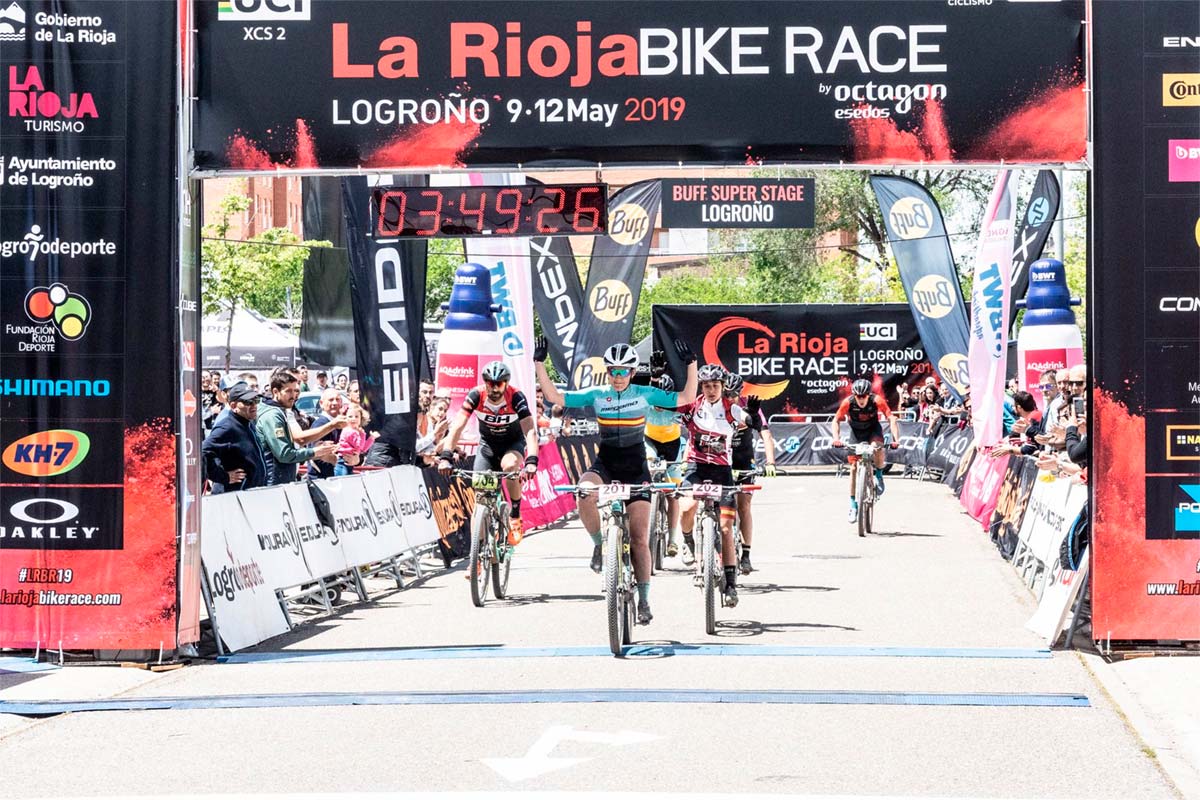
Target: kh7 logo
<point>70,313</point>
<point>47,453</point>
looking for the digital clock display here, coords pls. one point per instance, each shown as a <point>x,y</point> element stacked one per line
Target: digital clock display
<point>458,211</point>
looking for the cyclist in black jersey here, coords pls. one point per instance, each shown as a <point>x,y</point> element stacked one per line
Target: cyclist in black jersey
<point>507,433</point>
<point>743,460</point>
<point>863,410</point>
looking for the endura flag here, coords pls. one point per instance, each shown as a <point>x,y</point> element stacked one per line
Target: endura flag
<point>557,296</point>
<point>387,282</point>
<point>917,234</point>
<point>614,285</point>
<point>1032,233</point>
<point>989,314</point>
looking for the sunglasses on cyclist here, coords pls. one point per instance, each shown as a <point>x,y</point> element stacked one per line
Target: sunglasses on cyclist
<point>494,383</point>
<point>619,372</point>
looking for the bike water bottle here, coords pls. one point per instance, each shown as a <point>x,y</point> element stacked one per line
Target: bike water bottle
<point>1049,337</point>
<point>468,341</point>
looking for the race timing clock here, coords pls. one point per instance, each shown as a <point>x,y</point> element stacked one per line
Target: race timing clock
<point>430,212</point>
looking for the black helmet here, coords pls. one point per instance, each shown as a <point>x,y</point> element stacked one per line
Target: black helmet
<point>861,387</point>
<point>733,383</point>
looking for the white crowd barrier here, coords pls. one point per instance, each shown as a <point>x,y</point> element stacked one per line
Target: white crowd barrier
<point>259,544</point>
<point>1054,505</point>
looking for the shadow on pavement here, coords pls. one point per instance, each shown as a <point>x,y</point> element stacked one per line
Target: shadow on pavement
<point>738,628</point>
<point>767,588</point>
<point>541,598</point>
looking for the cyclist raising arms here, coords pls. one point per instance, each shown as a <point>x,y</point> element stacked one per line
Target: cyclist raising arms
<point>711,421</point>
<point>743,459</point>
<point>621,409</point>
<point>506,434</point>
<point>863,410</point>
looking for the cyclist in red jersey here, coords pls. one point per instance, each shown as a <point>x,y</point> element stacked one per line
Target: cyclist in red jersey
<point>711,422</point>
<point>863,410</point>
<point>507,434</point>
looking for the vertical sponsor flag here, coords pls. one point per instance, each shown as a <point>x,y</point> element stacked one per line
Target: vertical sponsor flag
<point>507,261</point>
<point>558,296</point>
<point>387,282</point>
<point>1032,233</point>
<point>988,355</point>
<point>615,279</point>
<point>917,235</point>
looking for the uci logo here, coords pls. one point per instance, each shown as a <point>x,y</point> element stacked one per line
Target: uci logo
<point>629,224</point>
<point>911,218</point>
<point>953,368</point>
<point>611,301</point>
<point>265,10</point>
<point>47,453</point>
<point>1039,210</point>
<point>934,296</point>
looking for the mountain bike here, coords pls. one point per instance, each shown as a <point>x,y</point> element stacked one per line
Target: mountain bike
<point>660,516</point>
<point>620,584</point>
<point>865,484</point>
<point>491,554</point>
<point>710,576</point>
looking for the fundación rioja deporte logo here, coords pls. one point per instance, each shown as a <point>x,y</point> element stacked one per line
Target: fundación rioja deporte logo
<point>55,304</point>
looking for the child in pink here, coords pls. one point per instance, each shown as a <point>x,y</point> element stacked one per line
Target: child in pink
<point>354,441</point>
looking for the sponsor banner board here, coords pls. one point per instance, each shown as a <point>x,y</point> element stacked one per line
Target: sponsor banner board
<point>277,535</point>
<point>418,510</point>
<point>738,203</point>
<point>1145,322</point>
<point>89,393</point>
<point>387,85</point>
<point>367,530</point>
<point>799,358</point>
<point>540,504</point>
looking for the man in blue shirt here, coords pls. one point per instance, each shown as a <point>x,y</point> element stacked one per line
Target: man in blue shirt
<point>233,458</point>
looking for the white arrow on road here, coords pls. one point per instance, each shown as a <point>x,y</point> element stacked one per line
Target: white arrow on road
<point>538,761</point>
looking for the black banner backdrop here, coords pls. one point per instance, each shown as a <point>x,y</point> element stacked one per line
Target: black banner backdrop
<point>557,296</point>
<point>738,203</point>
<point>88,296</point>
<point>917,234</point>
<point>617,267</point>
<point>810,444</point>
<point>389,85</point>
<point>1146,201</point>
<point>798,358</point>
<point>387,281</point>
<point>1033,230</point>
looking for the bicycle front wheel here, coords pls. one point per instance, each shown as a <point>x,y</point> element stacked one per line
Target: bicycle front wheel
<point>501,563</point>
<point>479,568</point>
<point>658,542</point>
<point>614,596</point>
<point>709,551</point>
<point>864,498</point>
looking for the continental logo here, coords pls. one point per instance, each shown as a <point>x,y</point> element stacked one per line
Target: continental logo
<point>47,453</point>
<point>934,296</point>
<point>629,224</point>
<point>1181,89</point>
<point>610,301</point>
<point>911,218</point>
<point>953,368</point>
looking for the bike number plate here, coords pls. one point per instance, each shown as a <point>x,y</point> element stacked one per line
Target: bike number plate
<point>613,491</point>
<point>485,483</point>
<point>706,491</point>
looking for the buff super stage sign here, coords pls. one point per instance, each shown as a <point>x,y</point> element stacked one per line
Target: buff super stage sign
<point>800,359</point>
<point>396,84</point>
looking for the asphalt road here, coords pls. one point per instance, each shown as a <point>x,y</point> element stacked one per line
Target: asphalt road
<point>930,584</point>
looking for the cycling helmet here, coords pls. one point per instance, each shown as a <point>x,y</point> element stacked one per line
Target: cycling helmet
<point>710,372</point>
<point>861,387</point>
<point>621,355</point>
<point>733,383</point>
<point>496,371</point>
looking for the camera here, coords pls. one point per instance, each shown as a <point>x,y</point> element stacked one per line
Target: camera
<point>1079,405</point>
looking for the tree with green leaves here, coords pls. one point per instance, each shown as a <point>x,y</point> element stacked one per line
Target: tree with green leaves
<point>257,273</point>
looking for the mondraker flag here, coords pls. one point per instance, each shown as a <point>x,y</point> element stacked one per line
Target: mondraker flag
<point>614,284</point>
<point>990,291</point>
<point>557,296</point>
<point>917,235</point>
<point>1032,233</point>
<point>387,281</point>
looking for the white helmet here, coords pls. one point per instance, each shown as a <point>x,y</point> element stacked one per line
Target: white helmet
<point>621,355</point>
